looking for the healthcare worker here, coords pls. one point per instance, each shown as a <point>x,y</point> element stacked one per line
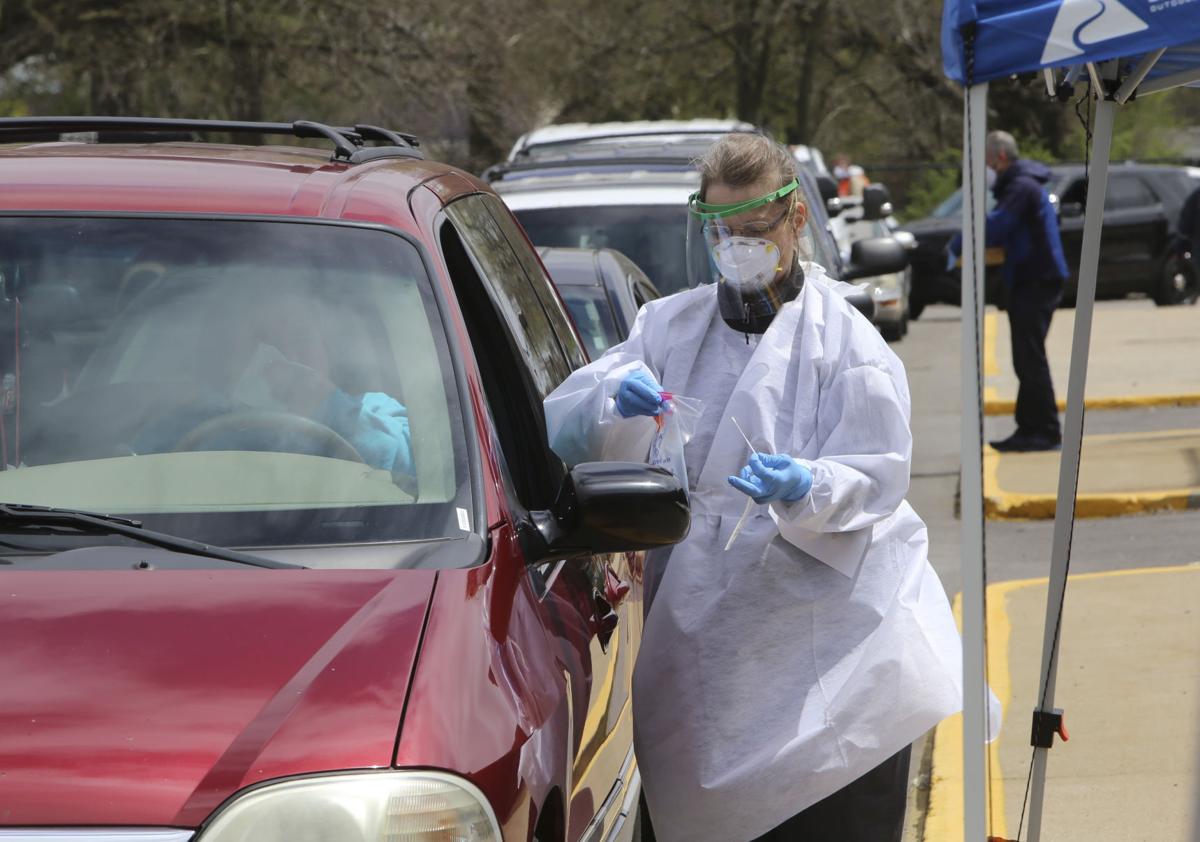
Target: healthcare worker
<point>780,681</point>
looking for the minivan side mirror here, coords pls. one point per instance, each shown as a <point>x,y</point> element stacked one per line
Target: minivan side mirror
<point>609,507</point>
<point>875,256</point>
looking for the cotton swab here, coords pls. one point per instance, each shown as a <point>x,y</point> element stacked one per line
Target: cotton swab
<point>750,502</point>
<point>745,437</point>
<point>741,522</point>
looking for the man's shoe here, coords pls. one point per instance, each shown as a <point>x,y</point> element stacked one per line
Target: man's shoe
<point>1023,443</point>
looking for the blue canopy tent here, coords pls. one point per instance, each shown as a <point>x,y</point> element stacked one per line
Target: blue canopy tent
<point>1125,49</point>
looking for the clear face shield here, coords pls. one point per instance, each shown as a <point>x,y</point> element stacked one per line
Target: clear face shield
<point>734,246</point>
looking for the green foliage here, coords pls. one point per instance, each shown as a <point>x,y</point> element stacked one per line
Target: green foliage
<point>857,76</point>
<point>933,185</point>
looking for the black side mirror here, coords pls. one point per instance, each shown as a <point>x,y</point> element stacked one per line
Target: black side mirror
<point>906,239</point>
<point>875,256</point>
<point>828,189</point>
<point>876,202</point>
<point>1070,210</point>
<point>862,301</point>
<point>609,507</point>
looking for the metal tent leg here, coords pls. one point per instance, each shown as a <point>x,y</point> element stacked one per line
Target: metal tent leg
<point>974,693</point>
<point>1068,474</point>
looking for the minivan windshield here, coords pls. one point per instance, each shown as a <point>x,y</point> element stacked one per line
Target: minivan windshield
<point>239,382</point>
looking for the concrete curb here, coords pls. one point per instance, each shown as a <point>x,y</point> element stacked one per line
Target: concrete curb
<point>994,404</point>
<point>999,504</point>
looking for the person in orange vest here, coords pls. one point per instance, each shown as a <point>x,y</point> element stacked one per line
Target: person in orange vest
<point>851,178</point>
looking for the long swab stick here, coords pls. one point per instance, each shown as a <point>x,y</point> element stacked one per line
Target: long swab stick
<point>750,502</point>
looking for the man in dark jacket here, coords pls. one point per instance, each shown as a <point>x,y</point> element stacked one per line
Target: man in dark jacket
<point>1025,225</point>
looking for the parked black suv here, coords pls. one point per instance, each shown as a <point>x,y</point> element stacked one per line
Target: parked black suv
<point>1140,251</point>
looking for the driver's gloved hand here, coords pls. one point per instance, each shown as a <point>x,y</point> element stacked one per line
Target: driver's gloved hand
<point>376,424</point>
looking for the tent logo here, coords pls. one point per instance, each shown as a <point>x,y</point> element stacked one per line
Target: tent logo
<point>1080,23</point>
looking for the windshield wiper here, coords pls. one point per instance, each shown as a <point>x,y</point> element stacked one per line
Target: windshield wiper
<point>97,523</point>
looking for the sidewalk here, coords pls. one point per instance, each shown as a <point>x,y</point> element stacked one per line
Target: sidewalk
<point>1141,355</point>
<point>1129,682</point>
<point>1120,473</point>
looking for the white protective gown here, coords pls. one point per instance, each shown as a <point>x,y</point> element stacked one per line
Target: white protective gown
<point>822,642</point>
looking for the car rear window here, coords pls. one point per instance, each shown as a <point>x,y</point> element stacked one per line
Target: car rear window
<point>652,236</point>
<point>593,315</point>
<point>241,382</point>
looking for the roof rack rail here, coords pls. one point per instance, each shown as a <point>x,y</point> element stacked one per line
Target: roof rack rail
<point>348,142</point>
<point>496,172</point>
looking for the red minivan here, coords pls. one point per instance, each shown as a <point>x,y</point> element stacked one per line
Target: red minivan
<point>284,555</point>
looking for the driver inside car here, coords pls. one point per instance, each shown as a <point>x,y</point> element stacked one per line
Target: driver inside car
<point>374,423</point>
<point>270,362</point>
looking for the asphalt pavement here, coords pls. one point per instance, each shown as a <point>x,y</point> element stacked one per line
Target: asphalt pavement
<point>1131,644</point>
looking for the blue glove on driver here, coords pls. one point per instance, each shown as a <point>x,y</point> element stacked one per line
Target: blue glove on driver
<point>773,476</point>
<point>639,394</point>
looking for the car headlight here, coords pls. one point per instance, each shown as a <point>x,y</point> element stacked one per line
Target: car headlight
<point>358,807</point>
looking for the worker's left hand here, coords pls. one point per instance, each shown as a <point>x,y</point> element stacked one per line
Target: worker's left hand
<point>773,476</point>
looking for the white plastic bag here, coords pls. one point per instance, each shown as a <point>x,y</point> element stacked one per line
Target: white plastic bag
<point>676,424</point>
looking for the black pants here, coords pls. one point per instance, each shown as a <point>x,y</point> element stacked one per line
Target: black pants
<point>870,809</point>
<point>1031,305</point>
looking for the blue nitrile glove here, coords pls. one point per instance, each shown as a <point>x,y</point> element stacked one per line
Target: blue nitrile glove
<point>951,260</point>
<point>639,394</point>
<point>773,476</point>
<point>377,426</point>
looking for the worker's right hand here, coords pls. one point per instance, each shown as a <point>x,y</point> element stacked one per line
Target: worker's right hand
<point>639,394</point>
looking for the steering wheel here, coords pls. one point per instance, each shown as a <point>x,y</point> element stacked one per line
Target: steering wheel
<point>138,278</point>
<point>279,432</point>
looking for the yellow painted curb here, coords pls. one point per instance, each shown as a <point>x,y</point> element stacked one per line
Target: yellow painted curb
<point>990,367</point>
<point>999,504</point>
<point>993,404</point>
<point>944,818</point>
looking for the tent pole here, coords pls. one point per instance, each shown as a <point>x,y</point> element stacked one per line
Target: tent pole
<point>1068,474</point>
<point>971,480</point>
<point>1175,80</point>
<point>1138,75</point>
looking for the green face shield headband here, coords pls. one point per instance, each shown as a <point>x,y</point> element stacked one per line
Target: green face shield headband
<point>705,210</point>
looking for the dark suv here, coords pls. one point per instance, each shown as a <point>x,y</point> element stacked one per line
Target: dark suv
<point>1140,251</point>
<point>285,553</point>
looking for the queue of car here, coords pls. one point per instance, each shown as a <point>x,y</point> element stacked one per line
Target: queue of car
<point>625,186</point>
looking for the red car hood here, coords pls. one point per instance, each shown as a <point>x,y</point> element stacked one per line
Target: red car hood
<point>147,697</point>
